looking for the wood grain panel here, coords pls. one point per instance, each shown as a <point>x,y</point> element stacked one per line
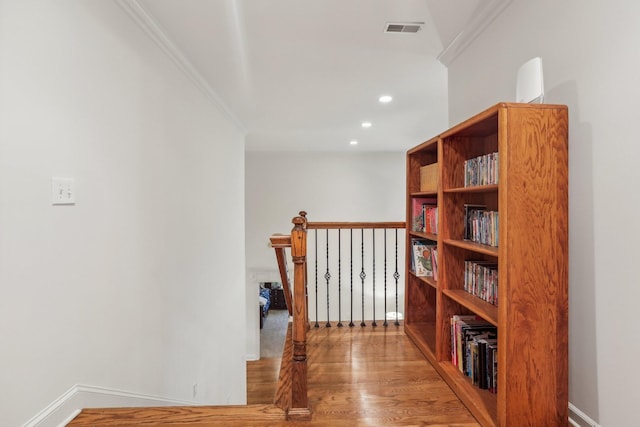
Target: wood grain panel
<point>178,415</point>
<point>423,294</point>
<point>535,275</point>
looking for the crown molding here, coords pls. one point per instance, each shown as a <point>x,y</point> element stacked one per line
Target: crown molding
<point>149,25</point>
<point>472,29</point>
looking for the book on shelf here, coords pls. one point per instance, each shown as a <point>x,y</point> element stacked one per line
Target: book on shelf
<point>492,364</point>
<point>469,211</point>
<point>456,319</point>
<point>481,280</point>
<point>486,363</point>
<point>480,225</point>
<point>434,262</point>
<point>422,264</point>
<point>430,213</point>
<point>424,214</point>
<point>483,364</point>
<point>473,345</point>
<point>481,170</point>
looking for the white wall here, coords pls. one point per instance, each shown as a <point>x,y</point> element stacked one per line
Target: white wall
<point>139,286</point>
<point>591,63</point>
<point>330,186</point>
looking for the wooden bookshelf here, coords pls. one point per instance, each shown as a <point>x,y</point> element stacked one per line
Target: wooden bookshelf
<point>531,198</point>
<point>428,236</point>
<point>424,335</point>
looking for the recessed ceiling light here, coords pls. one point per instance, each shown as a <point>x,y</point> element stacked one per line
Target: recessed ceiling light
<point>366,124</point>
<point>385,98</point>
<point>353,142</point>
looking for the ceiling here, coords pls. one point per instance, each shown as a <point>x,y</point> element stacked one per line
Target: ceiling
<point>303,75</point>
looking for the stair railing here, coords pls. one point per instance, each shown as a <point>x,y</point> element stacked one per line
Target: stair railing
<point>357,267</point>
<point>280,242</point>
<point>291,394</point>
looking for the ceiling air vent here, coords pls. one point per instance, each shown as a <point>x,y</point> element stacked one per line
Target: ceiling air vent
<point>403,27</point>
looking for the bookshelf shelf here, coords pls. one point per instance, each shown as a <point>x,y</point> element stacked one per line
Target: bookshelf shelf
<point>424,194</point>
<point>428,236</point>
<point>483,309</point>
<point>531,258</point>
<point>427,280</point>
<point>473,246</point>
<point>423,334</point>
<point>485,404</point>
<point>475,189</point>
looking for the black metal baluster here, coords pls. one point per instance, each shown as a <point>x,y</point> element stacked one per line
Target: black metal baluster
<point>385,278</point>
<point>317,325</point>
<point>327,277</point>
<point>396,276</point>
<point>339,280</point>
<point>351,325</point>
<point>373,256</point>
<point>362,274</point>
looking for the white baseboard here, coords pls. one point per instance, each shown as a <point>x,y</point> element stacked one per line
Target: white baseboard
<point>68,406</point>
<point>577,418</point>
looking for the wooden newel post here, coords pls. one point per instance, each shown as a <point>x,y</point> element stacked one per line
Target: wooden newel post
<point>299,401</point>
<point>303,214</point>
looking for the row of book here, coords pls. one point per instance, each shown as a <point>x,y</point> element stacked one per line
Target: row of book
<point>481,225</point>
<point>424,259</point>
<point>424,215</point>
<point>481,170</point>
<point>481,280</point>
<point>474,350</point>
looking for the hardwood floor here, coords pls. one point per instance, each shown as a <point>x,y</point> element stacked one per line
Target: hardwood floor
<point>376,377</point>
<point>262,380</point>
<point>357,377</point>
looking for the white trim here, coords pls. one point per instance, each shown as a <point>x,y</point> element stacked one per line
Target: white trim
<point>70,418</point>
<point>51,408</point>
<point>66,407</point>
<point>472,29</point>
<point>582,420</point>
<point>149,25</point>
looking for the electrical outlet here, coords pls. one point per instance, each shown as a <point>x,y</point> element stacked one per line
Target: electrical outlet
<point>63,191</point>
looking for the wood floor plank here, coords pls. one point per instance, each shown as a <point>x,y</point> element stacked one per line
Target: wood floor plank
<point>262,380</point>
<point>376,376</point>
<point>177,415</point>
<point>357,377</point>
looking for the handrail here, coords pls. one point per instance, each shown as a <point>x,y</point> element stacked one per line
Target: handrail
<point>280,242</point>
<point>355,225</point>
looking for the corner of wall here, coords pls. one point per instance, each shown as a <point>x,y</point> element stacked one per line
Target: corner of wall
<point>66,407</point>
<point>577,418</point>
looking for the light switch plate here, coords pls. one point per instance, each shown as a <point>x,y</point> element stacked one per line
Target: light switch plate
<point>63,191</point>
